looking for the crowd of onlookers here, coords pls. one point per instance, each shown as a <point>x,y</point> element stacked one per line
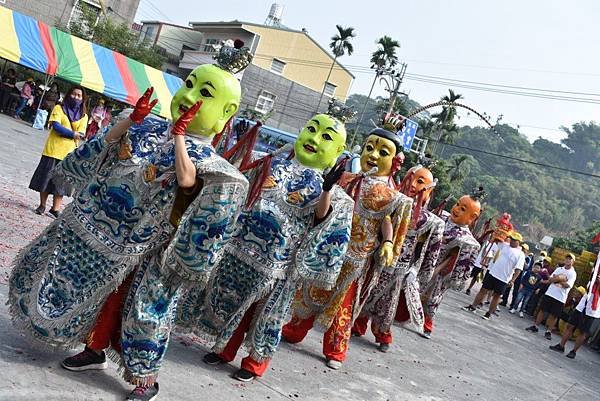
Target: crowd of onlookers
<point>546,293</point>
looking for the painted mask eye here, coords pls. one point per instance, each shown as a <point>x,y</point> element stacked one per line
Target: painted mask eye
<point>189,84</point>
<point>327,137</point>
<point>384,153</point>
<point>369,148</point>
<point>312,129</point>
<point>205,93</point>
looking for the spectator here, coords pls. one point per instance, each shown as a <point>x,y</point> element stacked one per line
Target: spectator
<point>26,96</point>
<point>517,282</point>
<point>586,312</point>
<point>556,295</point>
<point>97,115</point>
<point>68,122</point>
<point>481,262</point>
<point>508,262</point>
<point>7,87</point>
<point>543,285</point>
<point>530,282</point>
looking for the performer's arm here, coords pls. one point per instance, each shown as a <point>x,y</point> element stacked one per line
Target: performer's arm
<point>324,205</point>
<point>143,107</point>
<point>387,248</point>
<point>184,167</point>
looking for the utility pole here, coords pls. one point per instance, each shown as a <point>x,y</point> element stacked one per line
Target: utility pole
<point>398,77</point>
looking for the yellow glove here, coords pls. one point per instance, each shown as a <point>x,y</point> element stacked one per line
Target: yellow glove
<point>386,252</point>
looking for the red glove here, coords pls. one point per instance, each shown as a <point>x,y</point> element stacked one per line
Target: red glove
<point>143,107</point>
<point>184,120</point>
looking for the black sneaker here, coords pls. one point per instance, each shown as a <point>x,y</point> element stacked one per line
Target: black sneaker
<point>571,355</point>
<point>533,329</point>
<point>143,393</point>
<point>469,308</point>
<point>54,213</point>
<point>548,335</point>
<point>468,292</point>
<point>40,210</point>
<point>244,376</point>
<point>383,347</point>
<point>85,360</point>
<point>212,359</point>
<point>558,348</point>
<point>487,316</point>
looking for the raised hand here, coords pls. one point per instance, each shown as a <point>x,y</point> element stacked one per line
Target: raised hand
<point>143,107</point>
<point>333,176</point>
<point>184,120</point>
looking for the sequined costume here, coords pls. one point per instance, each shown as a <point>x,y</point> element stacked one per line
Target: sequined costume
<point>275,249</point>
<point>335,310</point>
<point>457,238</point>
<point>118,222</point>
<point>408,278</point>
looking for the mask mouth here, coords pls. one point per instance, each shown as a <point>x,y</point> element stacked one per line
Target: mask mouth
<point>182,108</point>
<point>371,163</point>
<point>309,148</point>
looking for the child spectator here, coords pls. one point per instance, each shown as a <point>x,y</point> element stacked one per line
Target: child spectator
<point>529,283</point>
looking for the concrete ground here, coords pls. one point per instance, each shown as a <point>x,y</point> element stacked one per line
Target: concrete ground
<point>467,358</point>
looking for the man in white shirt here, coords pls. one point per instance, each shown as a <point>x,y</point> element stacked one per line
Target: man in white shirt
<point>552,303</point>
<point>489,249</point>
<point>506,265</point>
<point>583,317</point>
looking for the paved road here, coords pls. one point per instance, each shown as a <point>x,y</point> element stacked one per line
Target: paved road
<point>467,359</point>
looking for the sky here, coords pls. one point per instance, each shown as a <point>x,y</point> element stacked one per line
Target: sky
<point>545,45</point>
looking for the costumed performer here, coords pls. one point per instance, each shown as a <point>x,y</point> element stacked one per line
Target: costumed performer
<point>459,249</point>
<point>401,286</point>
<point>380,222</point>
<point>153,209</point>
<point>294,232</point>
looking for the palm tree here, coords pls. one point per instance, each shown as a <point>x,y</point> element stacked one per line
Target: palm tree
<point>340,45</point>
<point>385,55</point>
<point>459,168</point>
<point>382,58</point>
<point>444,120</point>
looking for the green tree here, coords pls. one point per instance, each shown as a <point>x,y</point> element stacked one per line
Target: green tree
<point>385,55</point>
<point>115,36</point>
<point>340,45</point>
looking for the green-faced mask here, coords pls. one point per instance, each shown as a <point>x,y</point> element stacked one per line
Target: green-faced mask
<point>220,94</point>
<point>320,142</point>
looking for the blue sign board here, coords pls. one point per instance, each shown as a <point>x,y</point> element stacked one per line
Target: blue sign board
<point>407,133</point>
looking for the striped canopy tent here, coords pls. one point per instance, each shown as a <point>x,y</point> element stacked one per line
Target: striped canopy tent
<point>46,49</point>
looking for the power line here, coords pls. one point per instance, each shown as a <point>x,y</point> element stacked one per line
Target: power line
<point>517,159</point>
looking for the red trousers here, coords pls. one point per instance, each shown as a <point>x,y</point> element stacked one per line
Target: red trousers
<point>235,342</point>
<point>360,328</point>
<point>336,338</point>
<point>428,325</point>
<point>107,330</point>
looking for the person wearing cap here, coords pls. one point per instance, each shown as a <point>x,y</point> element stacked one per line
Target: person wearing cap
<point>508,263</point>
<point>553,301</point>
<point>517,282</point>
<point>583,317</point>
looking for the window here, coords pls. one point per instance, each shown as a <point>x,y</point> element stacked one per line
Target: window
<point>277,66</point>
<point>209,45</point>
<point>85,13</point>
<point>265,102</point>
<point>329,89</point>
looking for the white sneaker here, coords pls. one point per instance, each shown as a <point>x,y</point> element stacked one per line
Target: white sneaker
<point>333,364</point>
<point>520,314</point>
<point>512,311</point>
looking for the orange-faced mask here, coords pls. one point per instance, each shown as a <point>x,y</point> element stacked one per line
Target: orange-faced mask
<point>421,179</point>
<point>465,211</point>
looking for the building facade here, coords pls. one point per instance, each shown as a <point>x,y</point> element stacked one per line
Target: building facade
<point>287,75</point>
<point>61,12</point>
<point>172,40</point>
